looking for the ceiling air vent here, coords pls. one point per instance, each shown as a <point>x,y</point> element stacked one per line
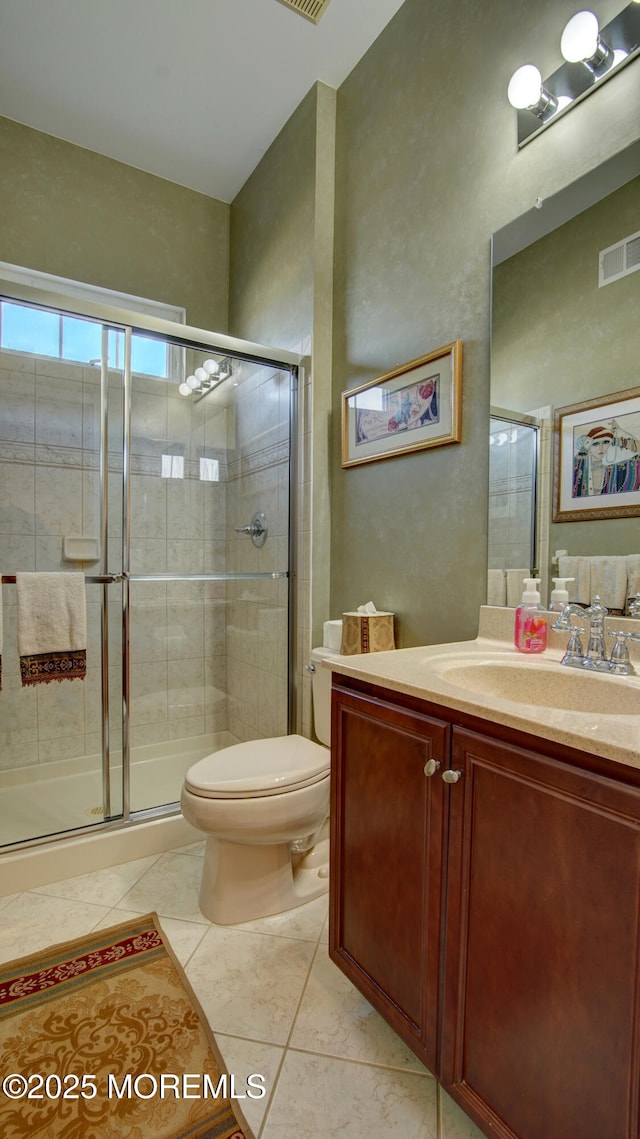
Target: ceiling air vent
<point>619,260</point>
<point>312,9</point>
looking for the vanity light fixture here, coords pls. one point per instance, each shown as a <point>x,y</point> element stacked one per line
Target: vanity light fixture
<point>526,91</point>
<point>591,55</point>
<point>205,378</point>
<point>581,43</point>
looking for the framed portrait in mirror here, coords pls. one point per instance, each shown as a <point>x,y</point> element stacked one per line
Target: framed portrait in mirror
<point>597,458</point>
<point>415,406</point>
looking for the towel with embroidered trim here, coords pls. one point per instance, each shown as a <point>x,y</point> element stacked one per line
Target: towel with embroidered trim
<point>52,627</point>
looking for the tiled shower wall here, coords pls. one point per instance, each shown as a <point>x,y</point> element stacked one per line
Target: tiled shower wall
<point>206,658</point>
<point>48,489</point>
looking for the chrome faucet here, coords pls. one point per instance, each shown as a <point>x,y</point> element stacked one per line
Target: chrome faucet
<point>595,657</point>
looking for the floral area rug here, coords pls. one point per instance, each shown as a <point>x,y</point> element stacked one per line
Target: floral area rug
<point>102,1037</point>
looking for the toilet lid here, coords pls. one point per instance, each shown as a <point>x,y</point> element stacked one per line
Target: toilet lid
<point>259,767</point>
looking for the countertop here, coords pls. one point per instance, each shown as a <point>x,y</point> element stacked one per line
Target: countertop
<point>421,672</point>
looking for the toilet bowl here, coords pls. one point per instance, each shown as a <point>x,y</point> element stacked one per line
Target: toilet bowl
<point>264,806</point>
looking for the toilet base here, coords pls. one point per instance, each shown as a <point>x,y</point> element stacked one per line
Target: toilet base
<point>244,882</point>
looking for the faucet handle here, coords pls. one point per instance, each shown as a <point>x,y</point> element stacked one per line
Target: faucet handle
<point>574,654</point>
<point>623,635</point>
<point>620,661</point>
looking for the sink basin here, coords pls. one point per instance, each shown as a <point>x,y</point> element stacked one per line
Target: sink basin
<point>542,685</point>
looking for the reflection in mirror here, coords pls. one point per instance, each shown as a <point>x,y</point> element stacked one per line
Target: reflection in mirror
<point>513,462</point>
<point>565,332</point>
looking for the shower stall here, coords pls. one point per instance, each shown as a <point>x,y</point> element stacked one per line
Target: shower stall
<point>159,461</point>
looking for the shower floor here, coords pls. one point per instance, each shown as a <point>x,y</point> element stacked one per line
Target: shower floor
<point>36,801</point>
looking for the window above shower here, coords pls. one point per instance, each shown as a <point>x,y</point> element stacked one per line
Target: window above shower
<point>44,332</point>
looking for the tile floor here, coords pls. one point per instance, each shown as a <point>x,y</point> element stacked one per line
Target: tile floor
<point>276,1003</point>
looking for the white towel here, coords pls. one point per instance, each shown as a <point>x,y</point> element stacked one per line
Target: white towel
<point>578,568</point>
<point>515,585</point>
<point>496,587</point>
<point>633,574</point>
<point>52,626</point>
<point>609,581</point>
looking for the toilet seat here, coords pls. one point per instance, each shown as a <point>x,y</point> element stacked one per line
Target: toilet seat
<point>259,768</point>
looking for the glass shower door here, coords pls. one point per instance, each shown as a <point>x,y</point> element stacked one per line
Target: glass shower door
<point>58,752</point>
<point>117,460</point>
<point>208,611</point>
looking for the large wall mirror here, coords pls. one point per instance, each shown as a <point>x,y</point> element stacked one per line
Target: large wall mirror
<point>566,334</point>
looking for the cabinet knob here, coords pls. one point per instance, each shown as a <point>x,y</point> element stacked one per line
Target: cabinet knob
<point>451,776</point>
<point>431,766</point>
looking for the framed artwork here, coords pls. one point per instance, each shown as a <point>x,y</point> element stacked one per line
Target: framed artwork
<point>597,458</point>
<point>413,407</point>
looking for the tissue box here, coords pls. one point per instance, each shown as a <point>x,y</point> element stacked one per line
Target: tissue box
<point>367,633</point>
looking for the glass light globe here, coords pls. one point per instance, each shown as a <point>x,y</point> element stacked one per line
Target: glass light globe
<point>184,389</point>
<point>580,37</point>
<point>201,375</point>
<point>524,87</point>
<point>212,366</point>
<point>193,382</point>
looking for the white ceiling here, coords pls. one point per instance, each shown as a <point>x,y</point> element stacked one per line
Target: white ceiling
<point>191,90</point>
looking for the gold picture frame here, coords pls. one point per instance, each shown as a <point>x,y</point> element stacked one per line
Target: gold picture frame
<point>408,409</point>
<point>596,470</point>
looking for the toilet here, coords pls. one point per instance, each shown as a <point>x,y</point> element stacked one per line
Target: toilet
<point>264,808</point>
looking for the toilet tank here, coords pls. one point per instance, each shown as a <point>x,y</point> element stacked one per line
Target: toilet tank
<point>321,692</point>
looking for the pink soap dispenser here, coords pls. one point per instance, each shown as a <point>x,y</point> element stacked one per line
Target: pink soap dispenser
<point>530,634</point>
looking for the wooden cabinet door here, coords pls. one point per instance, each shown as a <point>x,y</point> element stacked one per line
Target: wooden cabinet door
<point>387,828</point>
<point>541,1010</point>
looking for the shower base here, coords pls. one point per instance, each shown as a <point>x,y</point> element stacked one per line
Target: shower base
<point>44,800</point>
<point>49,799</point>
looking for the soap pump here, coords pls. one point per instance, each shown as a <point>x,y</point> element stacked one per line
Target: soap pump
<point>559,595</point>
<point>530,635</point>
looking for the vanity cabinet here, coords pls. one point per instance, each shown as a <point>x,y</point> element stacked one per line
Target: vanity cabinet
<point>493,921</point>
<point>387,841</point>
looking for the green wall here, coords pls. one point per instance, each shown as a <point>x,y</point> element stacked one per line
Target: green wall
<point>427,167</point>
<point>282,227</point>
<point>67,211</point>
<point>272,238</point>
